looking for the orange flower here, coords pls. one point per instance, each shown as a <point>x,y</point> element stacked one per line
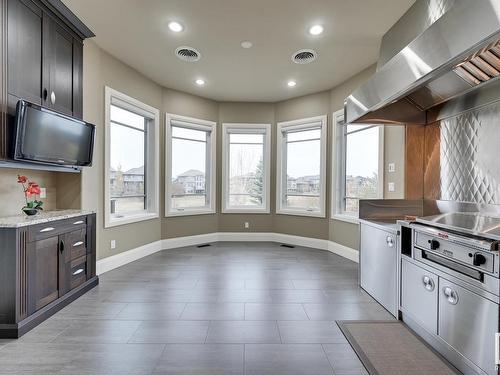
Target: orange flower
<point>33,189</point>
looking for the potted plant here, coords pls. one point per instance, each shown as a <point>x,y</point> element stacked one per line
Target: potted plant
<point>31,190</point>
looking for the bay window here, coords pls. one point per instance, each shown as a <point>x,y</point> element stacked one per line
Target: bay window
<point>131,157</point>
<point>190,166</point>
<point>359,164</point>
<point>301,167</point>
<point>246,172</point>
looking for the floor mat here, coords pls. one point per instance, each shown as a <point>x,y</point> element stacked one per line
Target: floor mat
<point>390,348</point>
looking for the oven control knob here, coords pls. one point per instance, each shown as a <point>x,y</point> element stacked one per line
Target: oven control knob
<point>434,245</point>
<point>478,259</point>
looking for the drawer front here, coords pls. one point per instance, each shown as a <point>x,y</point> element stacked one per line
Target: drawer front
<point>76,243</point>
<point>78,271</point>
<point>55,228</point>
<point>468,323</point>
<point>419,295</point>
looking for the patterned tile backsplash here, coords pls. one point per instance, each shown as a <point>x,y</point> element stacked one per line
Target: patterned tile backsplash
<point>468,147</point>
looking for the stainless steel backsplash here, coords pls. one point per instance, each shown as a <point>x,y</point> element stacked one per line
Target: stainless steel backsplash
<point>462,162</point>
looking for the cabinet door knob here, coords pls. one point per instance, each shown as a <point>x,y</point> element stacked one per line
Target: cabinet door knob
<point>45,95</point>
<point>61,247</point>
<point>451,295</point>
<point>390,241</point>
<point>53,97</point>
<point>428,283</point>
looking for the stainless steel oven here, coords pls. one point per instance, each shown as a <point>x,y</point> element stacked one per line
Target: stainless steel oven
<point>450,289</point>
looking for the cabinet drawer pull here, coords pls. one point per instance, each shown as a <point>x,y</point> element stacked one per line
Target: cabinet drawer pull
<point>78,222</point>
<point>79,243</point>
<point>78,271</point>
<point>48,229</point>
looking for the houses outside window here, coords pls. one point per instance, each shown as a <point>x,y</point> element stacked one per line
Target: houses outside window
<point>190,166</point>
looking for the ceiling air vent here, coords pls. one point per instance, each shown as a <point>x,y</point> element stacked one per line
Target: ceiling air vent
<point>304,56</point>
<point>188,54</point>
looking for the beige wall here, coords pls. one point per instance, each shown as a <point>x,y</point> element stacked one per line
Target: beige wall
<point>100,69</point>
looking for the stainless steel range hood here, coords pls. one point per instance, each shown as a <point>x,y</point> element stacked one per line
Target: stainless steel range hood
<point>455,55</point>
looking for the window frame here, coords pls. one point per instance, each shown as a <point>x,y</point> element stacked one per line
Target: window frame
<point>299,124</point>
<point>196,124</point>
<point>339,164</point>
<point>152,158</point>
<point>246,128</point>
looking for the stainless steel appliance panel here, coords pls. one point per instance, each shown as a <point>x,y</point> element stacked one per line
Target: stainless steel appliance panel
<point>468,323</point>
<point>378,264</point>
<point>419,295</point>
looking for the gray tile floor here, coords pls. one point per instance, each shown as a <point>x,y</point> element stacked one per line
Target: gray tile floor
<point>230,308</point>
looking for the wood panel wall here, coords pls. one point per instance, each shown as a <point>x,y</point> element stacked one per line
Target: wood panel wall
<point>414,160</point>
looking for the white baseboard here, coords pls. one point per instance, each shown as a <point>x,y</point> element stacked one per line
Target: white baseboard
<point>118,260</point>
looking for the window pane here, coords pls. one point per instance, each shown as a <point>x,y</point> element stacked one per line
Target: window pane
<point>352,205</point>
<point>303,135</point>
<point>198,135</point>
<point>246,171</point>
<point>303,165</point>
<point>246,138</point>
<point>362,156</point>
<point>126,117</point>
<point>123,206</point>
<point>127,168</point>
<point>189,160</point>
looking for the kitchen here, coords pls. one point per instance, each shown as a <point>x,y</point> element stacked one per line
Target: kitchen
<point>343,194</point>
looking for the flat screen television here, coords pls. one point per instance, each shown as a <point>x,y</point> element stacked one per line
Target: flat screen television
<point>48,137</point>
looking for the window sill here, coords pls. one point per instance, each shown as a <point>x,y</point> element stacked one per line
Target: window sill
<point>190,213</point>
<point>246,211</point>
<point>130,219</point>
<point>301,213</point>
<point>346,218</point>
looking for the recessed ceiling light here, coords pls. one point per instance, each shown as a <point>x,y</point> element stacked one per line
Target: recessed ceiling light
<point>246,44</point>
<point>176,27</point>
<point>200,82</point>
<point>316,30</point>
<point>292,83</point>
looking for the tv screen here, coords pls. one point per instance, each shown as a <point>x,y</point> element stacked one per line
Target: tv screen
<point>46,136</point>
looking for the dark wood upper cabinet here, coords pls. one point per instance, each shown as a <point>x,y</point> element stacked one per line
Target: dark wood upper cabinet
<point>44,57</point>
<point>24,52</point>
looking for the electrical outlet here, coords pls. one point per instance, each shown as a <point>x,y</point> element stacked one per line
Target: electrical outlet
<point>113,244</point>
<point>392,187</point>
<point>247,225</point>
<point>43,193</point>
<point>392,167</point>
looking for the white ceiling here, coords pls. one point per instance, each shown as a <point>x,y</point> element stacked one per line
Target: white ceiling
<point>136,32</point>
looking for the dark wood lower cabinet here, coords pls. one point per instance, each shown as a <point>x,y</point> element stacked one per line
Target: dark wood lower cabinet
<point>43,268</point>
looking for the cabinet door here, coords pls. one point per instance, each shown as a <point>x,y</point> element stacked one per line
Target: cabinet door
<point>57,67</point>
<point>43,271</point>
<point>468,323</point>
<point>24,52</point>
<point>419,295</point>
<point>379,266</point>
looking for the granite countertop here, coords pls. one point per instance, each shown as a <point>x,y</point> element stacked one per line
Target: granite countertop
<point>23,220</point>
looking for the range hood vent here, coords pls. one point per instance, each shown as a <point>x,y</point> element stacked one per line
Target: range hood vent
<point>454,56</point>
